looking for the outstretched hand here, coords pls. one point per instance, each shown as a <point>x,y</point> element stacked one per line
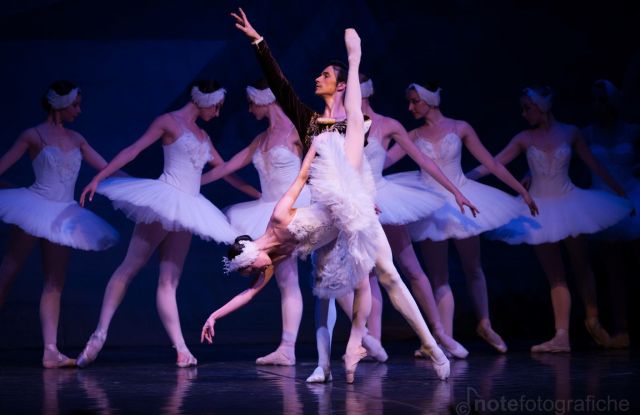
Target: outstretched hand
<point>90,189</point>
<point>207,331</point>
<point>242,23</point>
<point>463,201</point>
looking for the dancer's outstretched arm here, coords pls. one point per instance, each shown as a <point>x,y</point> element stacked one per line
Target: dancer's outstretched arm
<point>240,160</point>
<point>235,303</point>
<point>282,211</point>
<point>354,137</point>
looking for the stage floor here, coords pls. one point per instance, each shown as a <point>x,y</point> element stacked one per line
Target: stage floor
<point>227,381</point>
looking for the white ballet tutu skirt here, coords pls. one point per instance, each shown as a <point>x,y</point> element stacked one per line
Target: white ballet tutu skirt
<point>620,160</point>
<point>344,198</point>
<point>565,210</point>
<point>64,223</point>
<point>47,209</point>
<point>448,222</point>
<point>398,204</point>
<point>277,168</point>
<point>174,199</point>
<point>149,200</point>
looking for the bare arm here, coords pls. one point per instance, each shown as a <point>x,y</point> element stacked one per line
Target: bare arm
<point>238,161</point>
<point>16,151</point>
<point>232,179</point>
<point>394,155</point>
<point>481,154</point>
<point>506,156</point>
<point>286,202</point>
<point>235,303</point>
<point>156,130</point>
<point>582,149</point>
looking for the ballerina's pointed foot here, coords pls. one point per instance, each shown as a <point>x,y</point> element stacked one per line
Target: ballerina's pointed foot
<point>374,349</point>
<point>320,375</point>
<point>53,359</point>
<point>440,362</point>
<point>351,363</point>
<point>91,350</point>
<point>186,359</point>
<point>559,344</point>
<point>451,347</point>
<point>279,357</point>
<point>597,332</point>
<point>491,337</point>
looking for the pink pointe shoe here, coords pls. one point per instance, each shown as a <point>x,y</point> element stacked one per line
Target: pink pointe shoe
<point>491,337</point>
<point>91,350</point>
<point>440,362</point>
<point>351,363</point>
<point>186,359</point>
<point>277,358</point>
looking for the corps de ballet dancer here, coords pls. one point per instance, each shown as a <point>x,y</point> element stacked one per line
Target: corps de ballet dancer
<point>167,211</point>
<point>276,155</point>
<point>567,212</point>
<point>442,139</point>
<point>615,143</point>
<point>46,212</point>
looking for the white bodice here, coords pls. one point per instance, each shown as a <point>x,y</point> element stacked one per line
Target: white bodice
<point>56,173</point>
<point>376,155</point>
<point>311,227</point>
<point>549,170</point>
<point>183,162</point>
<point>277,167</point>
<point>447,154</point>
<point>618,160</point>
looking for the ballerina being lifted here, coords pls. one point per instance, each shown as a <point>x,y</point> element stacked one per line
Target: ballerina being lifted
<point>338,225</point>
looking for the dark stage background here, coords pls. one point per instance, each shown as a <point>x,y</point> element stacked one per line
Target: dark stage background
<point>134,60</point>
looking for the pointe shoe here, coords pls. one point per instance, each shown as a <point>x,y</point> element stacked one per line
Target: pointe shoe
<point>186,359</point>
<point>450,347</point>
<point>619,341</point>
<point>53,359</point>
<point>597,332</point>
<point>351,363</point>
<point>555,345</point>
<point>276,358</point>
<point>440,362</point>
<point>320,375</point>
<point>492,338</point>
<point>91,350</point>
<point>374,349</point>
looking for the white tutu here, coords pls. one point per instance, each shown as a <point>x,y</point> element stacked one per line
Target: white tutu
<point>571,214</point>
<point>148,200</point>
<point>565,210</point>
<point>348,198</point>
<point>398,204</point>
<point>619,160</point>
<point>64,223</point>
<point>496,209</point>
<point>277,167</point>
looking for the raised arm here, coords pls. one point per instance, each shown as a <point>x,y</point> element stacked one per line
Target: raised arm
<point>582,149</point>
<point>472,142</point>
<point>286,202</point>
<point>235,303</point>
<point>232,179</point>
<point>238,161</point>
<point>293,107</point>
<point>156,130</point>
